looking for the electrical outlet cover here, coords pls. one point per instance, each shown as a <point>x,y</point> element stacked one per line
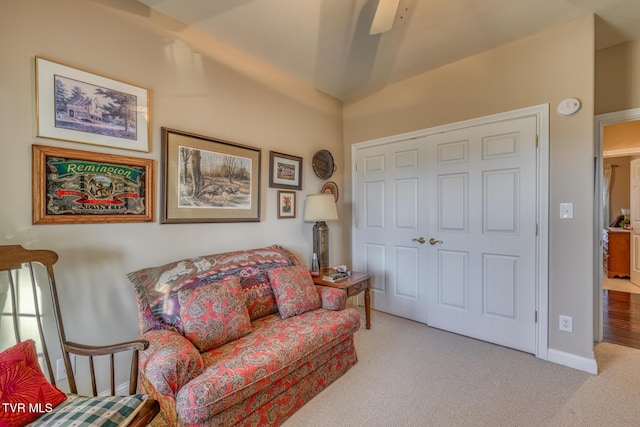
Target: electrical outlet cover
<point>566,323</point>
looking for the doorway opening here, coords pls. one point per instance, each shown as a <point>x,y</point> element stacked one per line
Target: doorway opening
<point>617,310</point>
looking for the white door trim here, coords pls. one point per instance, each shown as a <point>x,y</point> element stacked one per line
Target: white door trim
<point>602,120</point>
<point>541,112</point>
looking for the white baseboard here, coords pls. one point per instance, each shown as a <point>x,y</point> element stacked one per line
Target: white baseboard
<point>580,363</point>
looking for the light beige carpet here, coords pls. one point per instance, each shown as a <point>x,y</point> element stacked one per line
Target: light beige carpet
<point>409,374</point>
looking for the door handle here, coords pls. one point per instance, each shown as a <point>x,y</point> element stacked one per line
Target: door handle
<point>420,240</point>
<point>435,241</point>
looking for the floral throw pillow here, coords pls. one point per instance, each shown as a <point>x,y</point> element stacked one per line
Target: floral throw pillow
<point>294,290</point>
<point>25,393</point>
<point>214,314</point>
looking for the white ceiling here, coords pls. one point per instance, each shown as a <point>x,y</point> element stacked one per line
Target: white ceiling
<point>327,43</point>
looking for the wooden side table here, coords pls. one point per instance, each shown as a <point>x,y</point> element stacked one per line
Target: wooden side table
<point>353,285</point>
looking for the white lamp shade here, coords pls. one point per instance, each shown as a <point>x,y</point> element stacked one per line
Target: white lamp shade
<point>320,207</point>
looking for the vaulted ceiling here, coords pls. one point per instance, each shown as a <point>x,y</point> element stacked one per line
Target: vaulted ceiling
<point>327,43</point>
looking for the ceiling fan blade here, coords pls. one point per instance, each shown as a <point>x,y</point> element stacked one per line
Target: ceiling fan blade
<point>384,17</point>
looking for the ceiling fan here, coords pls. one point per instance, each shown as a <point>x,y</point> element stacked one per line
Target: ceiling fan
<point>384,17</point>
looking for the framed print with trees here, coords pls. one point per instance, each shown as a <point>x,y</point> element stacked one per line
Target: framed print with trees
<point>208,180</point>
<point>75,105</point>
<point>80,187</point>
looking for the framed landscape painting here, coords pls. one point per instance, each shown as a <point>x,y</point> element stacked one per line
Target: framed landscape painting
<point>285,171</point>
<point>75,105</point>
<point>79,187</point>
<point>208,180</point>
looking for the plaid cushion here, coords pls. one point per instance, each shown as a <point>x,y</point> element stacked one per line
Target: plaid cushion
<point>80,411</point>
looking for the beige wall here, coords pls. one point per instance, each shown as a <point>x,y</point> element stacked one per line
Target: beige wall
<point>617,74</point>
<point>196,84</point>
<point>621,136</point>
<point>536,70</point>
<point>618,88</point>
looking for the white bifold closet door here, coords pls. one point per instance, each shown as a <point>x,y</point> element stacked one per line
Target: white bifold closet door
<point>446,223</point>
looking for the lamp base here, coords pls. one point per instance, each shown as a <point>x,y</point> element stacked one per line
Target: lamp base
<point>321,243</point>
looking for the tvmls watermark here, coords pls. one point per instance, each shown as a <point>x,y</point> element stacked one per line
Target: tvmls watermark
<point>38,407</point>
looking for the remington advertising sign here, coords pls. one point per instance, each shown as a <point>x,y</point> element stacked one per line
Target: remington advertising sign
<point>74,186</point>
<point>81,187</point>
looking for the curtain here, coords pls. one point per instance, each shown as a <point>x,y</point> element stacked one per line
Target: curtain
<point>606,191</point>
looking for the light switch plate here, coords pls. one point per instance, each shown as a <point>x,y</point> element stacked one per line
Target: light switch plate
<point>566,210</point>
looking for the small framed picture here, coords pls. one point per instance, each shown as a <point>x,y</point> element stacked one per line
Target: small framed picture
<point>286,204</point>
<point>75,105</point>
<point>285,171</point>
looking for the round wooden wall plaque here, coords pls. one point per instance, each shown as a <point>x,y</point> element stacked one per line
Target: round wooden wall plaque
<point>323,165</point>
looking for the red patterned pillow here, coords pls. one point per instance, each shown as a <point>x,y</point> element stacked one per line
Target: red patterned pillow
<point>294,290</point>
<point>214,314</point>
<point>25,393</point>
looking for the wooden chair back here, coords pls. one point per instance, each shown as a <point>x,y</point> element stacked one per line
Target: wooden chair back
<point>18,265</point>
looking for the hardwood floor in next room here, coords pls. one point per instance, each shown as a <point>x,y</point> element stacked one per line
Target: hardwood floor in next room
<point>621,318</point>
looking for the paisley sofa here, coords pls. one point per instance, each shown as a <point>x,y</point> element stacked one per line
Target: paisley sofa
<point>239,338</point>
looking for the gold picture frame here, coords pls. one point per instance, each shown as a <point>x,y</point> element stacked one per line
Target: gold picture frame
<point>80,187</point>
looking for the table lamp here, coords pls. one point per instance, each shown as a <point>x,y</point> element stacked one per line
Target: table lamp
<point>319,208</point>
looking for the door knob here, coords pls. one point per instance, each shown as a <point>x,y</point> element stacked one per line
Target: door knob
<point>435,241</point>
<point>420,240</point>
